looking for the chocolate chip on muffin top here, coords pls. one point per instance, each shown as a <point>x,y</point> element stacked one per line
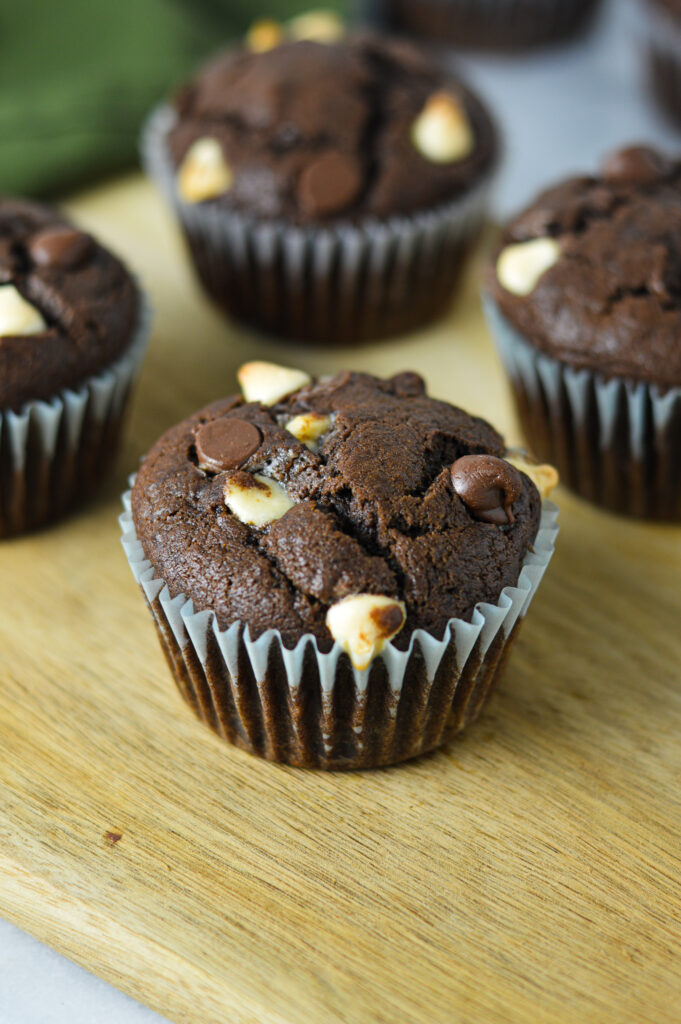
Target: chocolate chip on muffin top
<point>308,131</point>
<point>349,507</point>
<point>68,307</point>
<point>590,273</point>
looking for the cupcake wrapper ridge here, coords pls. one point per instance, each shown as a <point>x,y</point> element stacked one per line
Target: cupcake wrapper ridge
<point>615,442</point>
<point>54,452</point>
<point>313,709</point>
<point>337,284</point>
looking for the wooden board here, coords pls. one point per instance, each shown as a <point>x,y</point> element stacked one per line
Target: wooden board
<point>530,872</point>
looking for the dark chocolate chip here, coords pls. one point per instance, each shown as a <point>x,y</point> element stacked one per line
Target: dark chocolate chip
<point>637,165</point>
<point>488,486</point>
<point>62,247</point>
<point>330,184</point>
<point>226,443</point>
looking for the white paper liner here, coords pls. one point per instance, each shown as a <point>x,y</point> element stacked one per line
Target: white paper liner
<point>194,633</point>
<point>616,442</point>
<point>339,283</point>
<point>40,444</point>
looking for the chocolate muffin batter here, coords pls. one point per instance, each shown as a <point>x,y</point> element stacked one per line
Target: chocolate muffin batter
<point>611,302</point>
<point>313,132</point>
<point>389,492</point>
<point>87,299</point>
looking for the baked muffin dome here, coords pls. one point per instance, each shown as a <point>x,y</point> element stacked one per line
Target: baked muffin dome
<point>365,501</point>
<point>312,132</point>
<point>68,307</point>
<point>590,272</point>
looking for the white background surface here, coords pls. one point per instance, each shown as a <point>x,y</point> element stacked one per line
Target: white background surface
<point>560,111</point>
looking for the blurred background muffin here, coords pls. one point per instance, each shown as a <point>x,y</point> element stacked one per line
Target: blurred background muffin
<point>328,186</point>
<point>584,300</point>
<point>664,55</point>
<point>503,25</point>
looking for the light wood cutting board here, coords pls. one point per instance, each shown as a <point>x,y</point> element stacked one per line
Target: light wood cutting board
<point>529,872</point>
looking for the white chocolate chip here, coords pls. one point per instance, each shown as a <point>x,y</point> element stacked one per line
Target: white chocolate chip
<point>308,428</point>
<point>264,34</point>
<point>364,624</point>
<point>204,173</point>
<point>317,26</point>
<point>442,132</point>
<point>543,476</point>
<point>256,503</point>
<point>17,316</point>
<point>267,383</point>
<point>520,266</point>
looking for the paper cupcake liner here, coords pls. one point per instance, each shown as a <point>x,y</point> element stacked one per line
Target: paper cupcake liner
<point>313,709</point>
<point>663,46</point>
<point>53,453</point>
<point>616,442</point>
<point>489,24</point>
<point>337,284</point>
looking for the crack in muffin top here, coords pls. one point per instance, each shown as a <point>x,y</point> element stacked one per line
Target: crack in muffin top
<point>611,301</point>
<point>87,300</point>
<point>369,507</point>
<point>313,132</point>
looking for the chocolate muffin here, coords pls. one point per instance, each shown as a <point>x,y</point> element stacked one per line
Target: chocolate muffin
<point>327,190</point>
<point>337,567</point>
<point>502,25</point>
<point>71,334</point>
<point>584,296</point>
<point>663,20</point>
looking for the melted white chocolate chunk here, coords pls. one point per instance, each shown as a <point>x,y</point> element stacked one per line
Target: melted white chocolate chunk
<point>257,502</point>
<point>204,173</point>
<point>264,34</point>
<point>364,624</point>
<point>17,316</point>
<point>442,132</point>
<point>268,383</point>
<point>319,26</point>
<point>308,428</point>
<point>544,476</point>
<point>520,266</point>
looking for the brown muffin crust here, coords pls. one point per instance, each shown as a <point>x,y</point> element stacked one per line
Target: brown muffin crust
<point>341,113</point>
<point>375,510</point>
<point>612,301</point>
<point>86,297</point>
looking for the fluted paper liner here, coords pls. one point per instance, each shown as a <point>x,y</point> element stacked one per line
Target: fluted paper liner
<point>313,709</point>
<point>54,452</point>
<point>339,283</point>
<point>616,442</point>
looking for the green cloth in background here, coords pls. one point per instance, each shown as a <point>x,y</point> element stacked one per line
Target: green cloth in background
<point>78,76</point>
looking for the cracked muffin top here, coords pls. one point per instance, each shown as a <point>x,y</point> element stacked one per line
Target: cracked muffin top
<point>312,131</point>
<point>307,506</point>
<point>68,307</point>
<point>590,273</point>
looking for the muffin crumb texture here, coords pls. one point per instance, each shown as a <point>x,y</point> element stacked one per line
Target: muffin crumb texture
<point>279,528</point>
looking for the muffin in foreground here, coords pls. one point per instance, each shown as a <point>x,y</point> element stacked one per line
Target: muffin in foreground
<point>328,190</point>
<point>663,24</point>
<point>336,568</point>
<point>72,332</point>
<point>501,25</point>
<point>584,299</point>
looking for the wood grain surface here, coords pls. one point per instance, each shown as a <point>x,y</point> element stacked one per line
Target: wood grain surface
<point>529,872</point>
